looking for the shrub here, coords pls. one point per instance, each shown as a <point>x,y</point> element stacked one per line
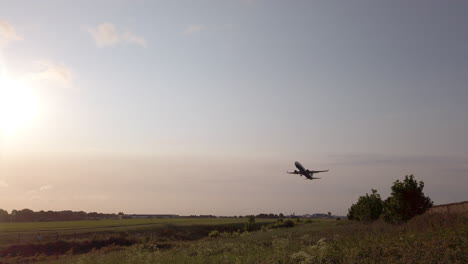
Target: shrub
<point>250,224</point>
<point>214,233</point>
<point>225,234</point>
<point>368,208</point>
<point>288,223</point>
<point>406,201</point>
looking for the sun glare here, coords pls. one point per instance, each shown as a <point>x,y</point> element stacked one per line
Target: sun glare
<point>19,105</point>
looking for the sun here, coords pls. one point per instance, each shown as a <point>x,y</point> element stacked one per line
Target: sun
<point>19,105</point>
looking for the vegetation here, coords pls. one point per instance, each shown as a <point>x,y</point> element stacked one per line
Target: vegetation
<point>406,201</point>
<point>429,238</point>
<point>28,215</point>
<point>181,228</point>
<point>368,208</point>
<point>250,224</point>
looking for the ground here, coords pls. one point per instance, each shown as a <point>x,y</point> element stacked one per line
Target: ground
<point>430,238</point>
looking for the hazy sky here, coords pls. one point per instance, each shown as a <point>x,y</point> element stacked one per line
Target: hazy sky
<point>199,107</point>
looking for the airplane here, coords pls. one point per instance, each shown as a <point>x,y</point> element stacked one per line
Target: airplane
<point>304,172</point>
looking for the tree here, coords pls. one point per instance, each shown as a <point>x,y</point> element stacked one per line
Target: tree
<point>3,216</point>
<point>407,200</point>
<point>368,208</point>
<point>250,224</point>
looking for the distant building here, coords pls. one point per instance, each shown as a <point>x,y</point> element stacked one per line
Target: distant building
<point>150,216</point>
<point>324,216</point>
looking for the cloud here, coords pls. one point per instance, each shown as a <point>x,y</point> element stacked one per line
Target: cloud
<point>193,29</point>
<point>7,33</point>
<point>361,159</point>
<point>3,184</point>
<point>107,34</point>
<point>52,72</point>
<point>45,188</point>
<point>35,194</point>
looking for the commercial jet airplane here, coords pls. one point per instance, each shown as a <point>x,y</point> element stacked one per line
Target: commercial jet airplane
<point>306,173</point>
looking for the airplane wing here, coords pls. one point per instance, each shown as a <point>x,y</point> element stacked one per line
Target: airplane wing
<point>319,171</point>
<point>292,172</point>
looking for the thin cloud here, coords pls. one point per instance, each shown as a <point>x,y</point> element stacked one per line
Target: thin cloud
<point>52,72</point>
<point>360,159</point>
<point>7,33</point>
<point>45,188</point>
<point>36,194</point>
<point>194,29</point>
<point>107,34</point>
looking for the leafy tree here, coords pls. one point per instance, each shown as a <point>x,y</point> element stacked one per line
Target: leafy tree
<point>368,208</point>
<point>3,216</point>
<point>25,215</point>
<point>250,224</point>
<point>407,200</point>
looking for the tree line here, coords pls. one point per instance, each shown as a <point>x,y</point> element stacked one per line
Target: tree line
<point>407,200</point>
<point>28,215</point>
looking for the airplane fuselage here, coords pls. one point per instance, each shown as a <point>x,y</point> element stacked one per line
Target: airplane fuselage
<point>309,174</point>
<point>301,168</point>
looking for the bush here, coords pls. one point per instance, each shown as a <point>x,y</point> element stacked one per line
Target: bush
<point>214,233</point>
<point>368,208</point>
<point>406,201</point>
<point>236,233</point>
<point>288,223</point>
<point>250,224</point>
<point>225,234</point>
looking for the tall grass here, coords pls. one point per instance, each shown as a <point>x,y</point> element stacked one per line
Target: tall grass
<point>431,238</point>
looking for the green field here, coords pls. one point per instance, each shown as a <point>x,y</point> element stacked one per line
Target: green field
<point>105,224</point>
<point>430,238</point>
<point>425,239</point>
<point>16,233</point>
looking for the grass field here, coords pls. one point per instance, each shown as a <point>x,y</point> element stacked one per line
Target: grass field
<point>103,224</point>
<point>15,233</point>
<point>430,238</point>
<point>425,239</point>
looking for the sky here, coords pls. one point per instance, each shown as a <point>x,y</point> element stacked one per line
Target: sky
<point>200,107</point>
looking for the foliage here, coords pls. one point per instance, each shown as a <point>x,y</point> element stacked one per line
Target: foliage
<point>282,223</point>
<point>28,215</point>
<point>250,224</point>
<point>406,201</point>
<point>368,208</point>
<point>429,238</point>
<point>214,233</point>
<point>3,216</point>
